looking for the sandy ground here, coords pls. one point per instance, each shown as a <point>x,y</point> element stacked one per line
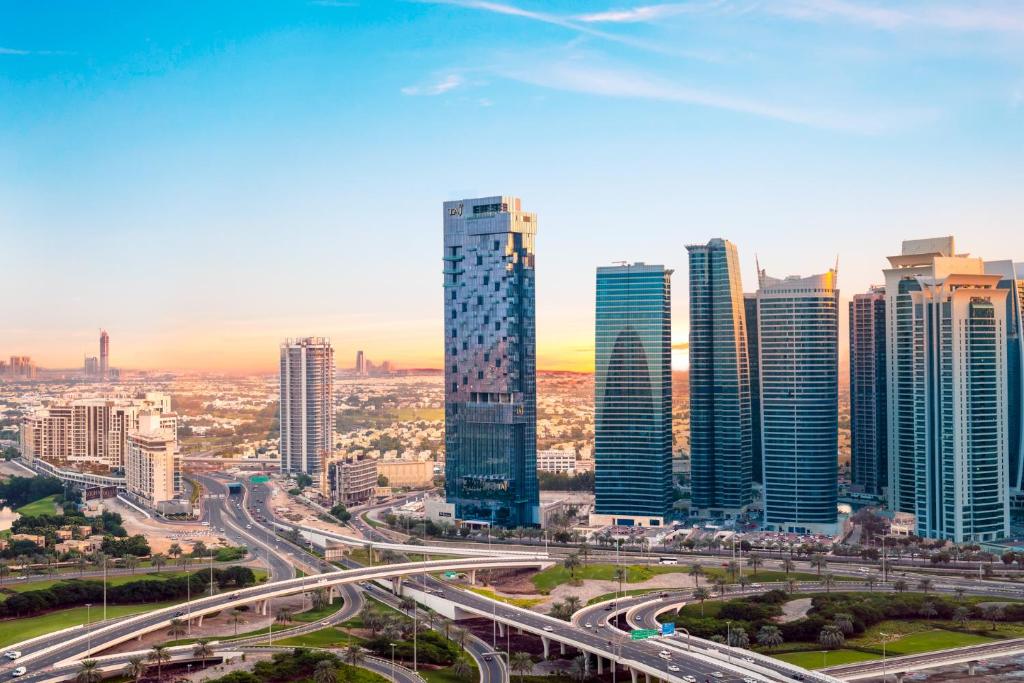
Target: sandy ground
<point>8,469</point>
<point>794,609</point>
<point>234,664</point>
<point>162,534</point>
<point>591,589</point>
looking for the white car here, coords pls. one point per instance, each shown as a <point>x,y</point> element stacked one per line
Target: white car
<point>673,667</point>
<point>748,679</point>
<point>748,660</point>
<point>664,654</point>
<point>548,629</point>
<point>12,654</point>
<point>690,679</point>
<point>589,625</point>
<point>20,671</point>
<point>717,674</point>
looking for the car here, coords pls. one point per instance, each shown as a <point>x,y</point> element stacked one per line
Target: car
<point>12,654</point>
<point>748,679</point>
<point>248,526</point>
<point>588,625</point>
<point>548,629</point>
<point>664,654</point>
<point>717,674</point>
<point>488,658</point>
<point>690,679</point>
<point>673,667</point>
<point>20,671</point>
<point>748,660</point>
<point>798,676</point>
<point>637,619</point>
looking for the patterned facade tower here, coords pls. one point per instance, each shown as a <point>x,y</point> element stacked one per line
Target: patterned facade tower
<point>869,446</point>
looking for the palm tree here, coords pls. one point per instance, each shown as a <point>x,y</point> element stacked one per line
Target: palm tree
<point>177,627</point>
<point>158,560</point>
<point>202,650</point>
<point>571,563</point>
<point>701,594</point>
<point>135,667</point>
<point>828,581</point>
<point>572,604</point>
<point>174,551</point>
<point>619,575</point>
<point>89,672</point>
<point>870,582</point>
<point>993,613</point>
<point>520,663</point>
<point>284,615</point>
<point>318,599</point>
<point>720,584</point>
<point>159,654</point>
<point>585,552</point>
<point>831,637</point>
<point>819,562</point>
<point>925,585</point>
<point>754,561</point>
<point>353,654</point>
<point>579,669</point>
<point>130,562</point>
<point>696,571</point>
<point>733,568</point>
<point>928,610</point>
<point>462,668</point>
<point>769,636</point>
<point>845,622</point>
<point>738,638</point>
<point>458,635</point>
<point>235,618</point>
<point>792,585</point>
<point>961,615</point>
<point>788,565</point>
<point>325,672</point>
<point>899,585</point>
<point>959,590</point>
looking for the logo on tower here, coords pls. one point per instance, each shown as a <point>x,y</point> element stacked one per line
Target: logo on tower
<point>455,210</point>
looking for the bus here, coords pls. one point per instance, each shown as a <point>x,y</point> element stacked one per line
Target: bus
<point>668,560</point>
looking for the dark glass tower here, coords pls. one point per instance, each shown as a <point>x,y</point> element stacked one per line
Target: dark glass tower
<point>490,361</point>
<point>753,353</point>
<point>720,422</point>
<point>868,393</point>
<point>633,421</point>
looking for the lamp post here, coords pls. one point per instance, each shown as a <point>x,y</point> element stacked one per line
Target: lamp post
<point>885,638</point>
<point>393,662</point>
<point>728,640</point>
<point>88,626</point>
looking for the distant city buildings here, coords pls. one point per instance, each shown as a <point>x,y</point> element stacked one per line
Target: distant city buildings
<point>360,368</point>
<point>869,445</point>
<point>490,361</point>
<point>561,462</point>
<point>307,404</point>
<point>91,433</point>
<point>798,320</point>
<point>720,400</point>
<point>20,368</point>
<point>152,465</point>
<point>633,396</point>
<point>104,354</point>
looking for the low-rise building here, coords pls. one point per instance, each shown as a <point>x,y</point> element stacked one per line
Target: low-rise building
<point>350,481</point>
<point>556,461</point>
<point>406,473</point>
<point>33,538</point>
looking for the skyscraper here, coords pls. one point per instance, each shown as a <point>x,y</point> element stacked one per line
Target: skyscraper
<point>720,420</point>
<point>104,354</point>
<point>633,396</point>
<point>307,404</point>
<point>753,360</point>
<point>868,397</point>
<point>798,321</point>
<point>959,435</point>
<point>360,363</point>
<point>490,361</point>
<point>1012,280</point>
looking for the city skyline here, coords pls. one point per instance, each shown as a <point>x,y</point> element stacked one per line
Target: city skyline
<point>170,144</point>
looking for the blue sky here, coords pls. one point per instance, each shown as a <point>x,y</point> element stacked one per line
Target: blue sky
<point>203,179</point>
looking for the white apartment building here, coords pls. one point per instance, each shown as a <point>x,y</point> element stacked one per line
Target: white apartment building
<point>559,462</point>
<point>307,404</point>
<point>152,465</point>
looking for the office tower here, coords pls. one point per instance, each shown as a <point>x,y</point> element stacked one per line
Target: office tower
<point>360,363</point>
<point>307,404</point>
<point>152,467</point>
<point>91,366</point>
<point>1012,279</point>
<point>798,321</point>
<point>490,361</point>
<point>90,433</point>
<point>104,354</point>
<point>753,361</point>
<point>868,396</point>
<point>633,396</point>
<point>720,420</point>
<point>21,368</point>
<point>927,258</point>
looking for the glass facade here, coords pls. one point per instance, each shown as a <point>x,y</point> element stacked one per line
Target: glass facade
<point>798,320</point>
<point>720,406</point>
<point>868,395</point>
<point>753,359</point>
<point>307,404</point>
<point>633,387</point>
<point>490,361</point>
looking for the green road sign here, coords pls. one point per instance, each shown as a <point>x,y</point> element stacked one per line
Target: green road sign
<point>451,575</point>
<point>259,479</point>
<point>641,633</point>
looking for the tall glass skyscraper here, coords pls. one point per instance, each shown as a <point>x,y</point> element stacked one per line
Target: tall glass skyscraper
<point>490,361</point>
<point>1012,280</point>
<point>753,358</point>
<point>633,395</point>
<point>798,322</point>
<point>307,404</point>
<point>869,444</point>
<point>720,419</point>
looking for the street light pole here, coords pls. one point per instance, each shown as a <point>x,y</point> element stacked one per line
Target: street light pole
<point>393,662</point>
<point>88,626</point>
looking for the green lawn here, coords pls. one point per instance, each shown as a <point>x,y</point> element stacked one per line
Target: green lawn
<point>325,637</point>
<point>318,614</point>
<point>812,659</point>
<point>17,630</point>
<point>936,639</point>
<point>525,603</point>
<point>625,593</point>
<point>43,506</point>
<point>23,586</point>
<point>446,675</point>
<point>413,414</point>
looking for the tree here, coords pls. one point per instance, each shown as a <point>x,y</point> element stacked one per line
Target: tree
<point>961,615</point>
<point>792,585</point>
<point>959,590</point>
<point>135,667</point>
<point>284,615</point>
<point>579,668</point>
<point>353,654</point>
<point>458,635</point>
<point>235,618</point>
<point>319,599</point>
<point>743,581</point>
<point>174,551</point>
<point>159,561</point>
<point>925,585</point>
<point>520,663</point>
<point>131,562</point>
<point>585,551</point>
<point>845,622</point>
<point>754,561</point>
<point>202,650</point>
<point>900,585</point>
<point>993,613</point>
<point>831,637</point>
<point>928,610</point>
<point>696,571</point>
<point>828,581</point>
<point>870,582</point>
<point>819,562</point>
<point>159,655</point>
<point>769,636</point>
<point>738,638</point>
<point>462,668</point>
<point>89,672</point>
<point>733,568</point>
<point>701,594</point>
<point>572,604</point>
<point>720,584</point>
<point>788,565</point>
<point>325,672</point>
<point>177,628</point>
<point>571,563</point>
<point>619,575</point>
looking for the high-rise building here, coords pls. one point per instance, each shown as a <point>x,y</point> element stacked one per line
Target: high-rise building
<point>753,360</point>
<point>633,396</point>
<point>958,327</point>
<point>152,466</point>
<point>91,366</point>
<point>490,361</point>
<point>360,363</point>
<point>350,480</point>
<point>720,419</point>
<point>927,258</point>
<point>798,321</point>
<point>21,368</point>
<point>104,354</point>
<point>869,444</point>
<point>90,433</point>
<point>1012,280</point>
<point>307,404</point>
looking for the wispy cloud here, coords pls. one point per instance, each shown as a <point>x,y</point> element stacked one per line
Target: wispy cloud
<point>996,17</point>
<point>646,13</point>
<point>446,84</point>
<point>17,52</point>
<point>334,3</point>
